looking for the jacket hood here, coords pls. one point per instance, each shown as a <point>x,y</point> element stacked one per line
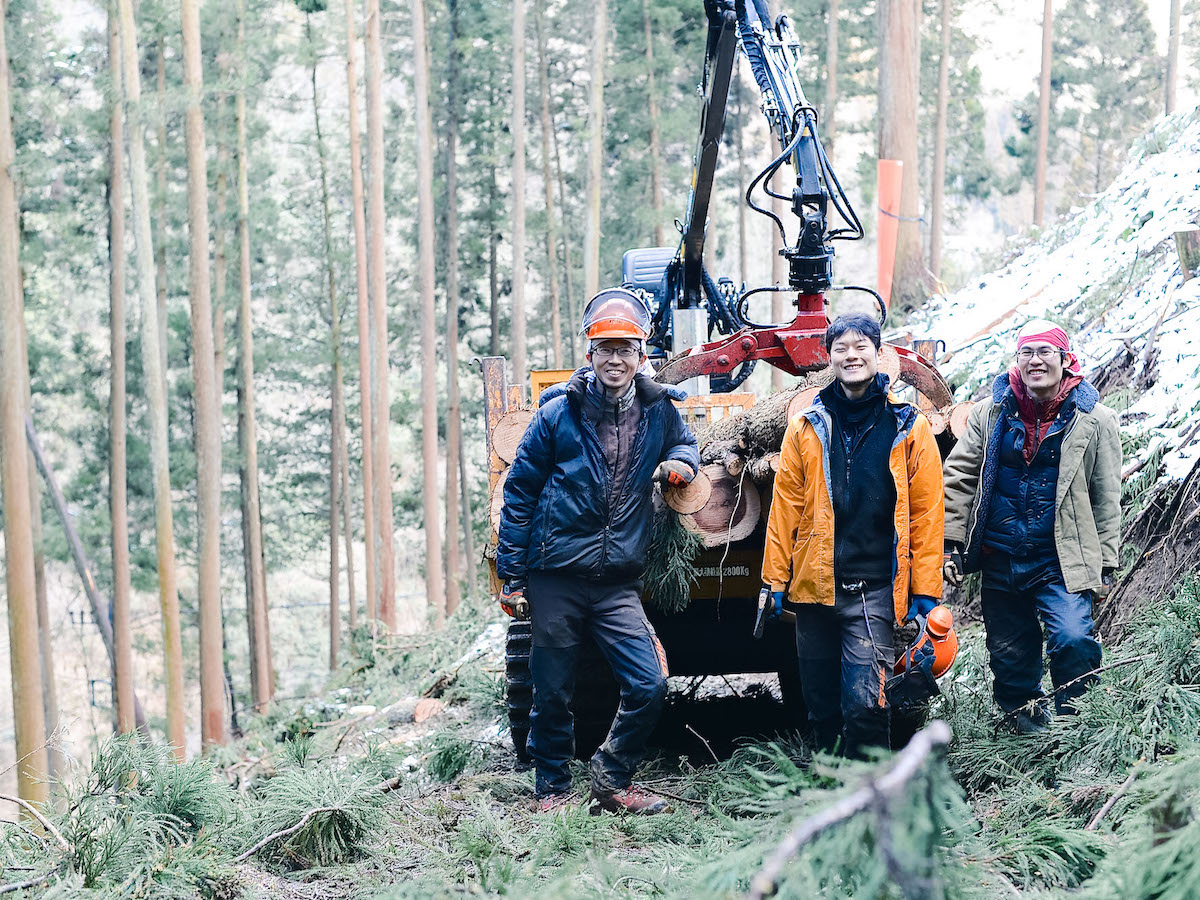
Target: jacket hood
<point>1086,396</point>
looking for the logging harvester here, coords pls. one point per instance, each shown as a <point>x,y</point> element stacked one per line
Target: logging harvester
<point>701,328</point>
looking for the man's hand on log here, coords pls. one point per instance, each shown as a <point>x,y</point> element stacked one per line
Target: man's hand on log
<point>674,472</point>
<point>1107,582</point>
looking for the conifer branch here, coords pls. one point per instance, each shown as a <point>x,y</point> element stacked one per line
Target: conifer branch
<point>286,832</point>
<point>907,763</point>
<point>42,820</point>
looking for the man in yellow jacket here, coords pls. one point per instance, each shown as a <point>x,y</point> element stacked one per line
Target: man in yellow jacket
<point>854,538</point>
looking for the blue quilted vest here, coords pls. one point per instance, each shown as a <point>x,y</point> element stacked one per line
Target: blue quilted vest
<point>1020,520</point>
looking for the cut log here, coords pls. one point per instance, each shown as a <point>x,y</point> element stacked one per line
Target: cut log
<point>691,497</point>
<point>509,431</point>
<point>496,502</point>
<point>763,468</point>
<point>802,401</point>
<point>958,418</point>
<point>889,362</point>
<point>1187,245</point>
<point>731,513</point>
<point>937,420</point>
<point>734,464</point>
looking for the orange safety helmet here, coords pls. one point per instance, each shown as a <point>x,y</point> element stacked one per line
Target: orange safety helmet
<point>616,313</point>
<point>939,633</point>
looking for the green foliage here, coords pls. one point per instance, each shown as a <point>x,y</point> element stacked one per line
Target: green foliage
<point>670,570</point>
<point>338,835</point>
<point>450,757</point>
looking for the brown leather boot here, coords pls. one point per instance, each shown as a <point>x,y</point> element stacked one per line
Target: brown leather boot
<point>633,799</point>
<point>551,803</point>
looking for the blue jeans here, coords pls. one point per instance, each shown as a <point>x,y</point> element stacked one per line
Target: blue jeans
<point>1017,592</point>
<point>846,654</point>
<point>564,610</point>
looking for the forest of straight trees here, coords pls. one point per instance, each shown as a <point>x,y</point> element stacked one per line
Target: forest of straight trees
<point>251,248</point>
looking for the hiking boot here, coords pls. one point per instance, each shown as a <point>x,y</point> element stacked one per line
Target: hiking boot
<point>632,799</point>
<point>551,803</point>
<point>1032,719</point>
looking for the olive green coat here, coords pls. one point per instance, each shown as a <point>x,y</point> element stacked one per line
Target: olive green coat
<point>1087,516</point>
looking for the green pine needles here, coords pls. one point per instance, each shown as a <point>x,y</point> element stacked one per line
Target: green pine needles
<point>670,565</point>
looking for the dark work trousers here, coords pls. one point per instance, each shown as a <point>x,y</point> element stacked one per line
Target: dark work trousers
<point>846,656</point>
<point>565,609</point>
<point>1016,593</point>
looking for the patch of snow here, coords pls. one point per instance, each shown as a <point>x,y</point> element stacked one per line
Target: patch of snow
<point>1108,274</point>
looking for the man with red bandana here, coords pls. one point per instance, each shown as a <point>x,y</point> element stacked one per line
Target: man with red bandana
<point>1033,501</point>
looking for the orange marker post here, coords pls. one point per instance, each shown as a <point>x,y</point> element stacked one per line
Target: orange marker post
<point>889,183</point>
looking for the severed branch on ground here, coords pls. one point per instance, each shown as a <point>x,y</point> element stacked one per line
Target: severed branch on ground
<point>286,832</point>
<point>906,765</point>
<point>42,820</point>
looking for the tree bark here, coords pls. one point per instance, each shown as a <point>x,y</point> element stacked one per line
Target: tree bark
<point>347,521</point>
<point>262,680</point>
<point>591,238</point>
<point>220,262</point>
<point>493,236</point>
<point>1043,132</point>
<point>656,178</point>
<point>45,642</point>
<point>118,507</point>
<point>380,403</point>
<point>740,152</point>
<point>364,315</point>
<point>1171,78</point>
<point>335,368</point>
<point>155,381</point>
<point>938,212</point>
<point>568,275</point>
<point>29,719</point>
<point>899,58</point>
<point>519,362</point>
<point>778,276</point>
<point>552,276</point>
<point>160,250</point>
<point>829,125</point>
<point>435,589</point>
<point>453,404</point>
<point>213,718</point>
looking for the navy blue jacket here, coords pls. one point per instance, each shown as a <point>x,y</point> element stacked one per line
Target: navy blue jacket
<point>557,515</point>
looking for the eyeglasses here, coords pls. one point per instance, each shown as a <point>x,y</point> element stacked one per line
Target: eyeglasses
<point>610,352</point>
<point>1045,354</point>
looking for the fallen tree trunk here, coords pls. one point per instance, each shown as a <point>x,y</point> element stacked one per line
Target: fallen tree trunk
<point>100,609</point>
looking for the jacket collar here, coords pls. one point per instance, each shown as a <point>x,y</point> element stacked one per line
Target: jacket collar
<point>905,413</point>
<point>1085,394</point>
<point>649,391</point>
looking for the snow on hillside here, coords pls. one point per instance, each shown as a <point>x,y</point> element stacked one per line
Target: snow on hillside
<point>1107,273</point>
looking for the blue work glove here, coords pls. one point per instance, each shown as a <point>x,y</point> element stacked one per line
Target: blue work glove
<point>924,605</point>
<point>770,606</point>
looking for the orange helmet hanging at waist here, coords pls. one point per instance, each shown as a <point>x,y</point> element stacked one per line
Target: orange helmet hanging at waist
<point>938,636</point>
<point>616,313</point>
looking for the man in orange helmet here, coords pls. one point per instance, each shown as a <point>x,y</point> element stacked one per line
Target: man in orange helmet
<point>574,532</point>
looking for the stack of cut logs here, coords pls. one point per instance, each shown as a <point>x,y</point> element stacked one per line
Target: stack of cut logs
<point>739,456</point>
